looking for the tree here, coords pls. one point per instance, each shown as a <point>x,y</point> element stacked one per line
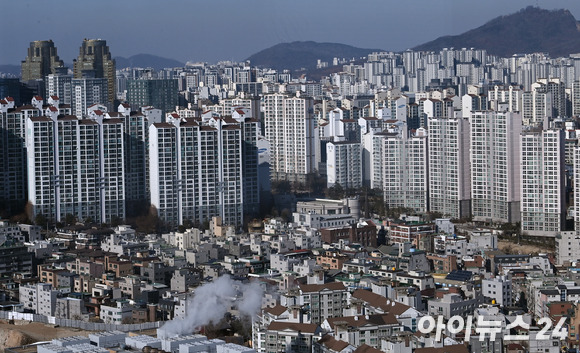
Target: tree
<point>70,219</point>
<point>41,220</point>
<point>396,212</point>
<point>335,192</point>
<point>149,223</point>
<point>21,218</point>
<point>128,320</point>
<point>281,187</point>
<point>116,221</point>
<point>431,216</point>
<point>315,183</point>
<point>286,215</point>
<point>510,229</point>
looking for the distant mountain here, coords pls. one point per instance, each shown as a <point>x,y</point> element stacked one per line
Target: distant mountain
<point>530,30</point>
<point>146,60</point>
<point>297,55</point>
<point>10,69</point>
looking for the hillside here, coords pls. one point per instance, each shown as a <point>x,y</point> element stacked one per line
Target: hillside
<point>530,30</point>
<point>296,55</point>
<point>146,60</point>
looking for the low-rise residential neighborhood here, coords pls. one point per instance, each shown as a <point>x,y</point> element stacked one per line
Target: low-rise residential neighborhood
<point>339,293</point>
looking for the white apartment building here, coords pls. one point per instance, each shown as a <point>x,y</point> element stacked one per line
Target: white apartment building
<point>60,86</point>
<point>289,124</point>
<point>499,289</point>
<point>557,89</point>
<point>567,247</point>
<point>12,150</point>
<point>39,297</point>
<point>227,106</point>
<point>344,164</point>
<point>196,170</point>
<point>473,102</point>
<point>325,300</point>
<point>137,152</point>
<point>76,167</point>
<point>449,172</point>
<point>86,92</point>
<point>536,107</point>
<point>577,187</point>
<point>575,98</point>
<point>372,158</point>
<point>116,314</point>
<point>495,166</point>
<point>510,98</point>
<point>543,203</point>
<point>405,169</point>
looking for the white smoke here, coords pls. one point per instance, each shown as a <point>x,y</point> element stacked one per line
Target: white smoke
<point>211,302</point>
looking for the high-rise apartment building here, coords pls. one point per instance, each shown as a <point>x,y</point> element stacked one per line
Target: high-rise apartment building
<point>536,108</point>
<point>290,130</point>
<point>557,89</point>
<point>94,61</point>
<point>136,150</point>
<point>542,173</point>
<point>372,159</point>
<point>196,170</point>
<point>13,152</point>
<point>576,182</point>
<point>405,169</point>
<point>86,92</point>
<point>160,93</point>
<point>472,102</point>
<point>575,98</point>
<point>495,166</point>
<point>227,106</point>
<point>60,86</point>
<point>42,60</point>
<point>505,98</point>
<point>250,165</point>
<point>344,164</point>
<point>449,168</point>
<point>76,167</point>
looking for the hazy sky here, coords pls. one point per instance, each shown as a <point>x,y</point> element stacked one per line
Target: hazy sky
<point>212,30</point>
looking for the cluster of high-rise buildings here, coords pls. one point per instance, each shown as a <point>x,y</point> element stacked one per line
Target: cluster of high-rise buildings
<point>74,156</point>
<point>459,132</point>
<point>97,166</point>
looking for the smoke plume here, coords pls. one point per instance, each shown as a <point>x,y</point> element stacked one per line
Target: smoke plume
<point>211,302</point>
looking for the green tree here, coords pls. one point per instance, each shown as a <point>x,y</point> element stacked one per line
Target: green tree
<point>396,212</point>
<point>41,220</point>
<point>281,187</point>
<point>335,192</point>
<point>70,219</point>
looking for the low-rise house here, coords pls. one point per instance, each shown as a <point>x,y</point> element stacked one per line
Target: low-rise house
<point>322,301</point>
<point>287,337</point>
<point>116,313</point>
<point>452,304</point>
<point>362,329</point>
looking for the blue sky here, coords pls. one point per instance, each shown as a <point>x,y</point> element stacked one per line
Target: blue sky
<point>212,30</point>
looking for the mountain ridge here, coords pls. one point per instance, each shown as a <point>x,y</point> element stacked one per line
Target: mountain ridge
<point>529,30</point>
<point>145,61</point>
<point>304,54</point>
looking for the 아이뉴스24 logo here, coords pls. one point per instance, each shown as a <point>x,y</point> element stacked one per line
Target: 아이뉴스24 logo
<point>491,328</point>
